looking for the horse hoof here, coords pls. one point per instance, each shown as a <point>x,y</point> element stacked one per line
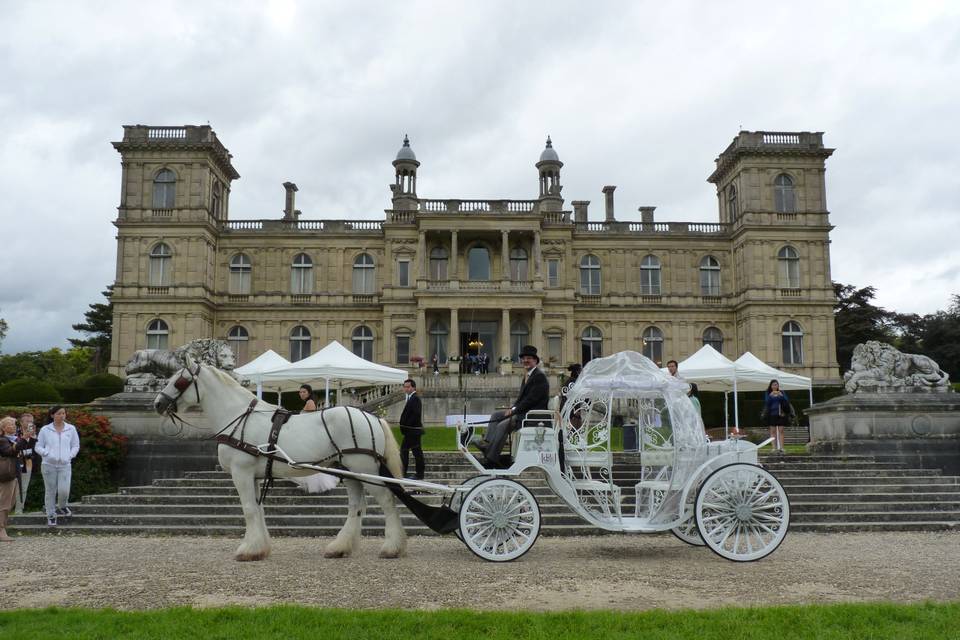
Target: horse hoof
<point>336,553</point>
<point>251,557</point>
<point>390,554</point>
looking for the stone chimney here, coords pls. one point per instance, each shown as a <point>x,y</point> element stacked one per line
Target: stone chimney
<point>646,215</point>
<point>608,193</point>
<point>289,210</point>
<point>580,210</point>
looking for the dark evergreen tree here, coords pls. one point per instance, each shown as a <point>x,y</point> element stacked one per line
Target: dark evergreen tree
<point>857,320</point>
<point>941,338</point>
<point>98,325</point>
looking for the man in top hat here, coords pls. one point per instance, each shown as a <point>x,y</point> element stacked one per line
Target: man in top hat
<point>534,394</point>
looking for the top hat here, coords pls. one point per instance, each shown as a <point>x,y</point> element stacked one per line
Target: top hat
<point>531,351</point>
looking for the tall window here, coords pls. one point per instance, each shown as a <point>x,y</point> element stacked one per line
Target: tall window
<point>299,343</point>
<point>403,273</point>
<point>553,272</point>
<point>792,343</point>
<point>438,263</point>
<point>403,348</point>
<point>164,190</point>
<point>157,334</point>
<point>301,274</point>
<point>732,202</point>
<point>650,276</point>
<point>161,260</point>
<point>363,342</point>
<point>554,348</point>
<point>789,262</point>
<point>240,273</point>
<point>215,200</point>
<point>713,337</point>
<point>238,339</point>
<point>590,275</point>
<point>784,196</point>
<point>519,267</point>
<point>519,337</point>
<point>438,341</point>
<point>478,263</point>
<point>591,344</point>
<point>363,274</point>
<point>653,344</point>
<point>709,276</point>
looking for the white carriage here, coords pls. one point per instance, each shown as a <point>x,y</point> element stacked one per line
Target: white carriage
<point>706,493</point>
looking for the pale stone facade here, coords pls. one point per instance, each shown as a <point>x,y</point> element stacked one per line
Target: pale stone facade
<point>514,272</point>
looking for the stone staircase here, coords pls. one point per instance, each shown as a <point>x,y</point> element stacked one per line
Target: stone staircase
<point>827,494</point>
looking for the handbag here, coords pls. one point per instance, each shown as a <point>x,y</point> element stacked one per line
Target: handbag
<point>8,468</point>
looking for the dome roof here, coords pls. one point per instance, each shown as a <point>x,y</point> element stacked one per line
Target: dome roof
<point>406,153</point>
<point>549,155</point>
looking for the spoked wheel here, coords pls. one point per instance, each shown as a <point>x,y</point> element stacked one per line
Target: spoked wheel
<point>687,530</point>
<point>742,512</point>
<point>456,501</point>
<point>499,520</point>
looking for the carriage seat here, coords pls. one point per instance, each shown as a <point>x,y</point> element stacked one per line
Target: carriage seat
<point>657,457</point>
<point>534,418</point>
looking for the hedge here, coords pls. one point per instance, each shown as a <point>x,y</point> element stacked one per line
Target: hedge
<point>24,390</point>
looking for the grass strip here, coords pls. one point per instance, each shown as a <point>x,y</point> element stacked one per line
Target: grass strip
<point>821,622</point>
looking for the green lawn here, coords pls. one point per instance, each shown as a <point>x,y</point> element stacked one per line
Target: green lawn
<point>833,622</point>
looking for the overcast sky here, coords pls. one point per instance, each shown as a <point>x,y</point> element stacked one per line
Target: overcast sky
<point>639,95</point>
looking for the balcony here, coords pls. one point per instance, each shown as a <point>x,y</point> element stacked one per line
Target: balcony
<point>653,228</point>
<point>158,291</point>
<point>364,298</point>
<point>590,298</point>
<point>238,297</point>
<point>162,213</point>
<point>478,206</point>
<point>650,298</point>
<point>711,300</point>
<point>791,293</point>
<point>301,298</point>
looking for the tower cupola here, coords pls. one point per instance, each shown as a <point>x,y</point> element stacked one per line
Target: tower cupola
<point>404,187</point>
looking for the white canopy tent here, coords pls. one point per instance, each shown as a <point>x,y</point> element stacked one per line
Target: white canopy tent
<point>336,362</point>
<point>255,369</point>
<point>767,373</point>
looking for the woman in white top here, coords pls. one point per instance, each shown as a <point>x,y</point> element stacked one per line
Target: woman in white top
<point>58,443</point>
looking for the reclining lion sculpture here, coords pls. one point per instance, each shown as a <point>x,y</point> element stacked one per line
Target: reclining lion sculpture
<point>880,367</point>
<point>149,369</point>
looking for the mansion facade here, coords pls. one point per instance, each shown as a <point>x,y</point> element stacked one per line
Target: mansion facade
<point>451,277</point>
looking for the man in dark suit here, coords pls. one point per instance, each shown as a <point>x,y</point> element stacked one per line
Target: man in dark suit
<point>534,394</point>
<point>411,426</point>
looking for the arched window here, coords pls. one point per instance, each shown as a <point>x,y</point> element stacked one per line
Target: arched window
<point>215,200</point>
<point>784,196</point>
<point>164,189</point>
<point>590,275</point>
<point>519,337</point>
<point>438,341</point>
<point>240,272</point>
<point>519,269</point>
<point>478,263</point>
<point>438,263</point>
<point>364,274</point>
<point>650,276</point>
<point>709,276</point>
<point>157,334</point>
<point>792,336</point>
<point>238,338</point>
<point>732,202</point>
<point>299,343</point>
<point>789,262</point>
<point>363,342</point>
<point>653,344</point>
<point>591,344</point>
<point>301,275</point>
<point>713,337</point>
<point>161,261</point>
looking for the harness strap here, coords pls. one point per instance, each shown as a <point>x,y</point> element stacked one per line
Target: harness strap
<point>280,417</point>
<point>252,450</point>
<point>373,438</point>
<point>352,430</point>
<point>327,429</point>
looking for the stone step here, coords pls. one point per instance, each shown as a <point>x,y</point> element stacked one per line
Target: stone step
<point>856,473</point>
<point>874,516</point>
<point>861,498</point>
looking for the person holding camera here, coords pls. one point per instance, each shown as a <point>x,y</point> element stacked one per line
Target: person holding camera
<point>10,447</point>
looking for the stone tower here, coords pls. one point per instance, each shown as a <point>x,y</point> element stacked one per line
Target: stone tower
<point>404,187</point>
<point>549,168</point>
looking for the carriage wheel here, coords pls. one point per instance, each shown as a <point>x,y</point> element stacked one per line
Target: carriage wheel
<point>742,512</point>
<point>456,501</point>
<point>688,532</point>
<point>499,520</point>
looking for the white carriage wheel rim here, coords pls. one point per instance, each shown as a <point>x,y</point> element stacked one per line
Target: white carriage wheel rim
<point>742,512</point>
<point>688,532</point>
<point>457,500</point>
<point>499,520</point>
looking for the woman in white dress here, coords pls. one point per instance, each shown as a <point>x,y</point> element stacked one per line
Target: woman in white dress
<point>318,482</point>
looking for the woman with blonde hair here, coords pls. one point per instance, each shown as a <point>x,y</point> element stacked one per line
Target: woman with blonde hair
<point>10,447</point>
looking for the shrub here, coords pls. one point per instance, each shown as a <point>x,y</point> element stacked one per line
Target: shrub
<point>26,390</point>
<point>104,384</point>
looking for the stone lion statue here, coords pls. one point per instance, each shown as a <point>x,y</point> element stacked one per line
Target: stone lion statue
<point>149,369</point>
<point>880,367</point>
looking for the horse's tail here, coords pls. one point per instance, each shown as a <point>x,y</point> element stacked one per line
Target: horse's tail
<point>391,450</point>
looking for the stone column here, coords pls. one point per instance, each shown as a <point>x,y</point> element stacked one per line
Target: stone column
<point>536,335</point>
<point>421,342</point>
<point>453,339</point>
<point>536,255</point>
<point>454,253</point>
<point>422,256</point>
<point>505,256</point>
<point>504,333</point>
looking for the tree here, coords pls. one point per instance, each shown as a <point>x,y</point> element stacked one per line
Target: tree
<point>941,338</point>
<point>3,330</point>
<point>857,320</point>
<point>98,325</point>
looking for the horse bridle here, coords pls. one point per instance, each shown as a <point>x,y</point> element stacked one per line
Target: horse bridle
<point>181,385</point>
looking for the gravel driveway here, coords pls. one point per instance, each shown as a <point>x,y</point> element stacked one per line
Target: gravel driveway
<point>620,572</point>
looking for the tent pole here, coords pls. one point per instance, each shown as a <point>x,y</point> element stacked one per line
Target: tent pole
<point>260,390</point>
<point>736,408</point>
<point>726,415</point>
<point>326,401</point>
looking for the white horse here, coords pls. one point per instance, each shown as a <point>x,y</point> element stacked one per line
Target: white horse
<point>304,439</point>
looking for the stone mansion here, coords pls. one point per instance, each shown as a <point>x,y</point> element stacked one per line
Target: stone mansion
<point>453,276</point>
